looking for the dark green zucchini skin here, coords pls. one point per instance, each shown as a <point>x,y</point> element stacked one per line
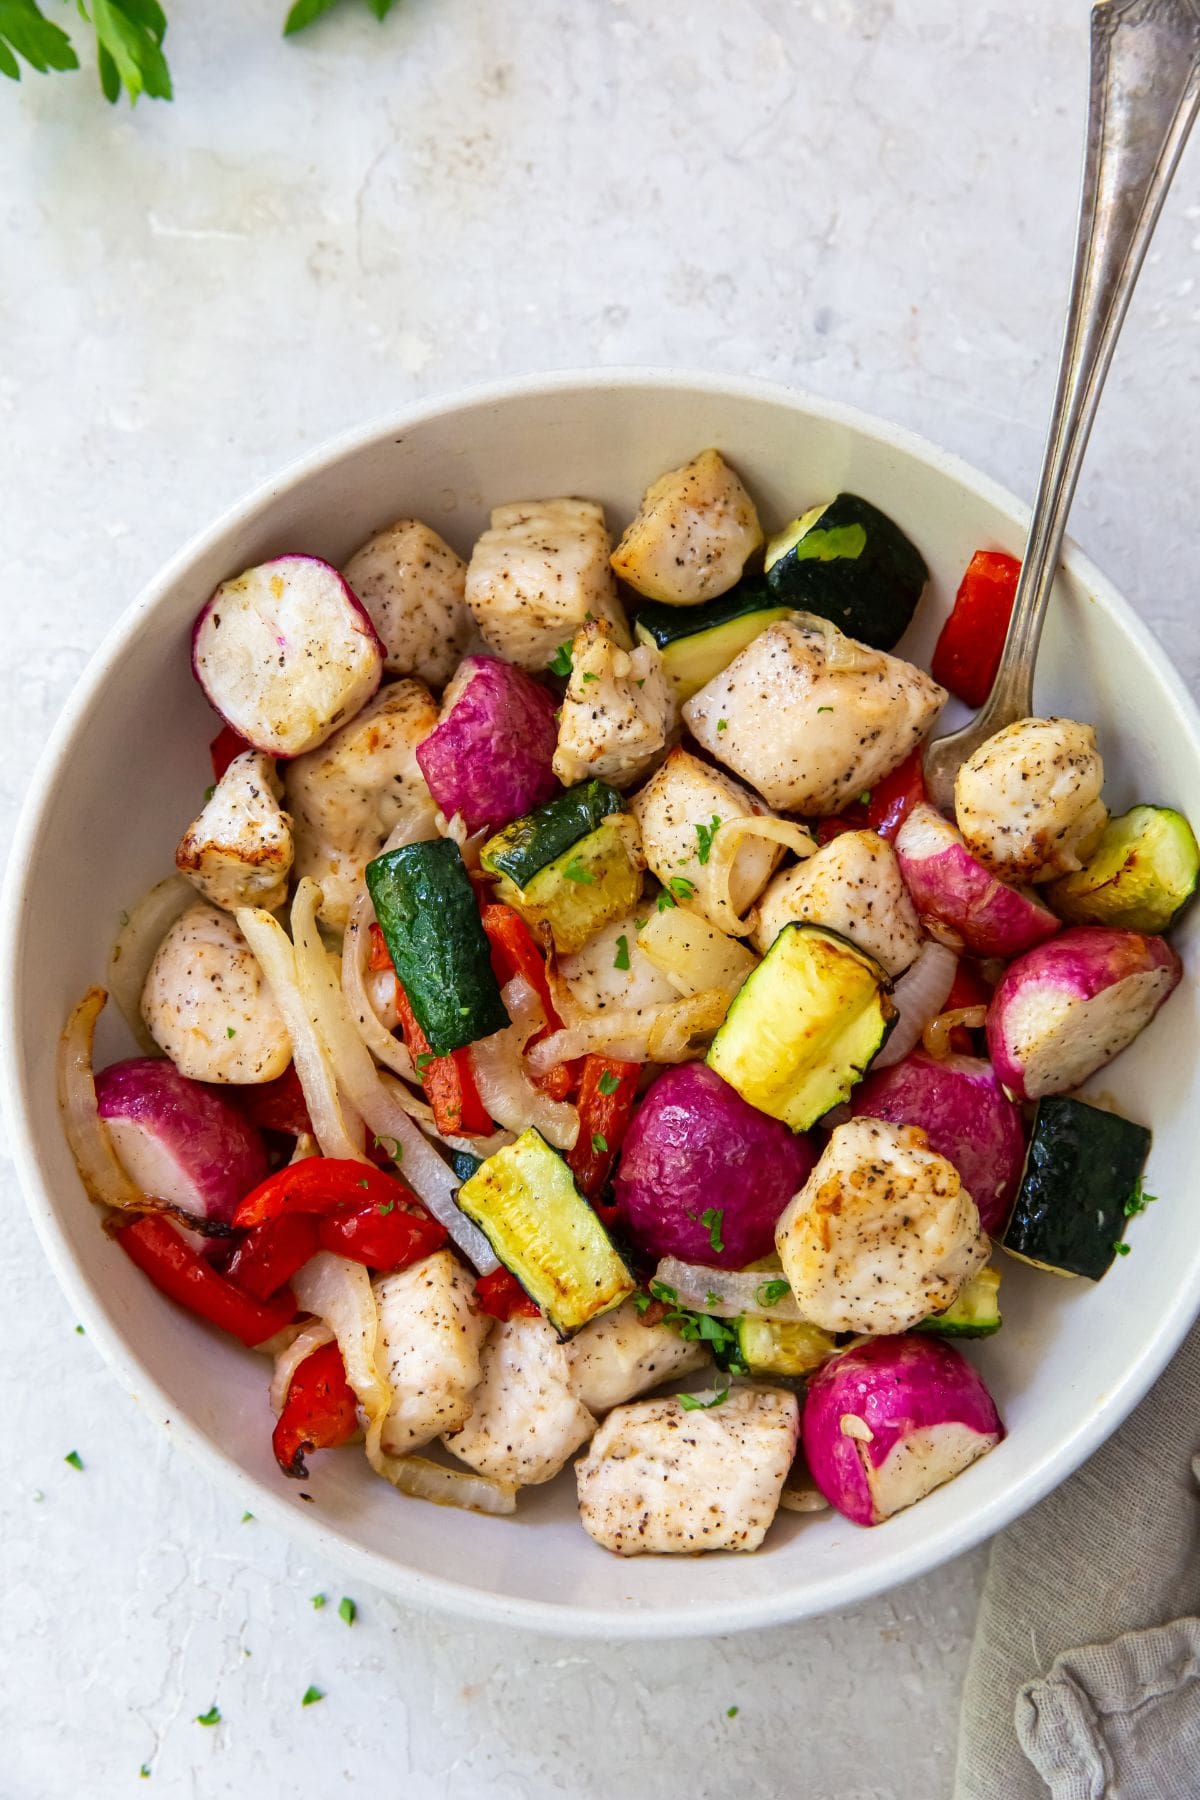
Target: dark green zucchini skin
<point>430,921</point>
<point>854,566</point>
<point>530,844</point>
<point>464,1164</point>
<point>1082,1168</point>
<point>666,625</point>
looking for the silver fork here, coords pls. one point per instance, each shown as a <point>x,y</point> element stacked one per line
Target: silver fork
<point>1144,93</point>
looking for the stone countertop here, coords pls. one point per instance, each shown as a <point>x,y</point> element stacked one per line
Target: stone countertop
<point>871,199</point>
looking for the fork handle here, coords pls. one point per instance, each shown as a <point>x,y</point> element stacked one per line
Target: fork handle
<point>1145,89</point>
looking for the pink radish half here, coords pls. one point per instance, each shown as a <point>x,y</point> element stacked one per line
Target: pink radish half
<point>286,653</point>
<point>951,887</point>
<point>890,1420</point>
<point>489,757</point>
<point>1065,1009</point>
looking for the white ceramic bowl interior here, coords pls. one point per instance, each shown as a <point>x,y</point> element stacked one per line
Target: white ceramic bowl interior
<point>126,770</point>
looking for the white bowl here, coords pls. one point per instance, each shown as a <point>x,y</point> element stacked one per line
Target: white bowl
<point>126,769</point>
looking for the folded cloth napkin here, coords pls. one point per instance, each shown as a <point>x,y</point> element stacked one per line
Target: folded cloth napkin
<point>1110,1555</point>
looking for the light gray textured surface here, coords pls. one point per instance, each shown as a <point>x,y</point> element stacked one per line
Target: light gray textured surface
<point>874,200</point>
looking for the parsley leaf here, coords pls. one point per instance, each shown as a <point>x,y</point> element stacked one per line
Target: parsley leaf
<point>599,1143</point>
<point>588,676</point>
<point>318,1601</point>
<point>384,1207</point>
<point>664,901</point>
<point>73,1457</point>
<point>364,1183</point>
<point>26,31</point>
<point>129,35</point>
<point>560,663</point>
<point>144,1771</point>
<point>347,1610</point>
<point>690,1403</point>
<point>864,799</point>
<point>1122,1249</point>
<point>824,709</point>
<point>575,871</point>
<point>211,1717</point>
<point>393,1146</point>
<point>231,1031</point>
<point>706,834</point>
<point>711,1218</point>
<point>731,1712</point>
<point>681,887</point>
<point>306,12</point>
<point>1139,1200</point>
<point>311,1695</point>
<point>768,1293</point>
<point>608,1082</point>
<point>246,1516</point>
<point>621,959</point>
<point>422,1062</point>
<point>722,724</point>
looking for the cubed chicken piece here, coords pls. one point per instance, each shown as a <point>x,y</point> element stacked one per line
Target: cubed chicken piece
<point>346,797</point>
<point>538,575</point>
<point>853,886</point>
<point>525,1421</point>
<point>617,713</point>
<point>239,850</point>
<point>694,533</point>
<point>412,585</point>
<point>658,1478</point>
<point>882,1234</point>
<point>431,1334</point>
<point>206,1003</point>
<point>1028,801</point>
<point>810,718</point>
<point>610,973</point>
<point>679,810</point>
<point>617,1357</point>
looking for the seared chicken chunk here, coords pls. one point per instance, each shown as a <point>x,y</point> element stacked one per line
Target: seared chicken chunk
<point>206,1003</point>
<point>1028,801</point>
<point>853,886</point>
<point>617,712</point>
<point>239,851</point>
<point>617,1357</point>
<point>347,796</point>
<point>608,975</point>
<point>810,718</point>
<point>430,1337</point>
<point>538,574</point>
<point>657,1478</point>
<point>680,808</point>
<point>525,1421</point>
<point>694,532</point>
<point>881,1234</point>
<point>412,585</point>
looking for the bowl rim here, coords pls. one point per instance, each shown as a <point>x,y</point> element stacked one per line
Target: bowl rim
<point>824,1594</point>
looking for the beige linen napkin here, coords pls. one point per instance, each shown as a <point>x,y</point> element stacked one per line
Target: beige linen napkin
<point>1111,1552</point>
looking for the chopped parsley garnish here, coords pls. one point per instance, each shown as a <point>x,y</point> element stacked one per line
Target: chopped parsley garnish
<point>347,1610</point>
<point>311,1695</point>
<point>690,1403</point>
<point>385,1206</point>
<point>209,791</point>
<point>230,1031</point>
<point>722,724</point>
<point>640,924</point>
<point>1139,1200</point>
<point>681,887</point>
<point>608,1082</point>
<point>769,1293</point>
<point>824,709</point>
<point>640,682</point>
<point>1122,1249</point>
<point>560,662</point>
<point>864,799</point>
<point>79,1331</point>
<point>665,901</point>
<point>711,1298</point>
<point>575,871</point>
<point>393,1146</point>
<point>246,1517</point>
<point>422,1062</point>
<point>364,1183</point>
<point>73,1457</point>
<point>144,1771</point>
<point>731,1712</point>
<point>318,1601</point>
<point>705,835</point>
<point>711,1218</point>
<point>599,1143</point>
<point>621,959</point>
<point>697,1327</point>
<point>211,1717</point>
<point>588,676</point>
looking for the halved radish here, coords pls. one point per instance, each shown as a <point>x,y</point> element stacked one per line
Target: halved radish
<point>286,653</point>
<point>952,889</point>
<point>1068,1007</point>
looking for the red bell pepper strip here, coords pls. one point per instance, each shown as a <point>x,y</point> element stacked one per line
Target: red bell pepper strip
<point>515,952</point>
<point>379,957</point>
<point>893,798</point>
<point>176,1270</point>
<point>383,1238</point>
<point>271,1253</point>
<point>968,650</point>
<point>851,818</point>
<point>227,744</point>
<point>501,1296</point>
<point>277,1105</point>
<point>449,1081</point>
<point>967,989</point>
<point>607,1090</point>
<point>320,1411</point>
<point>322,1184</point>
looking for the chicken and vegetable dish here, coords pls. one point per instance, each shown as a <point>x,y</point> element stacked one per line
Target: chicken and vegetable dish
<point>571,1037</point>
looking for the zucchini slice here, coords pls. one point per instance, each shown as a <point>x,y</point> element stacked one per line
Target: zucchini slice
<point>697,642</point>
<point>849,562</point>
<point>593,882</point>
<point>429,917</point>
<point>1144,869</point>
<point>531,843</point>
<point>1079,1186</point>
<point>975,1313</point>
<point>525,1201</point>
<point>781,1347</point>
<point>804,1026</point>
